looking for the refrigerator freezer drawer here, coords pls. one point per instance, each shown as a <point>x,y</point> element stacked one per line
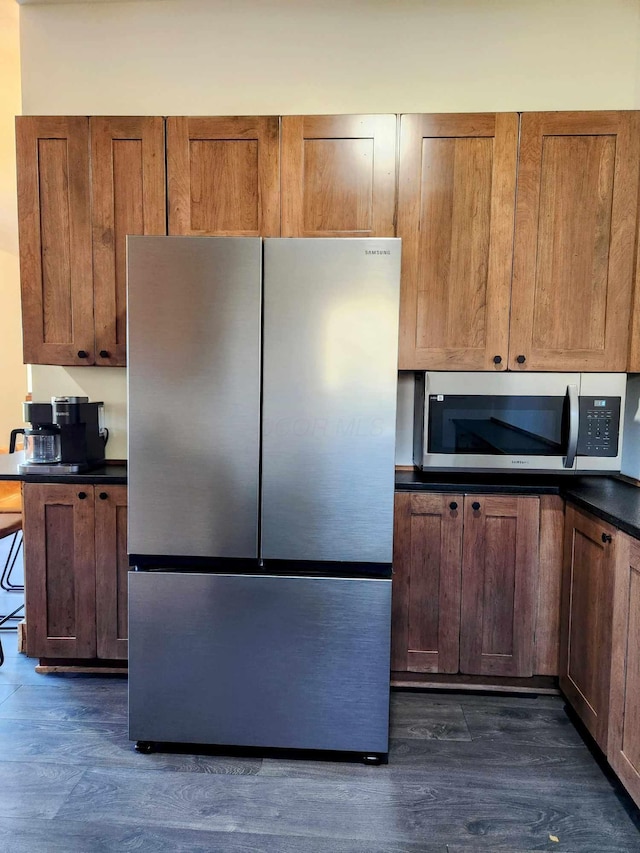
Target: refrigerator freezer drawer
<point>260,661</point>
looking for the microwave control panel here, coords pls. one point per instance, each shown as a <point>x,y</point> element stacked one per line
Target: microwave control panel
<point>599,426</point>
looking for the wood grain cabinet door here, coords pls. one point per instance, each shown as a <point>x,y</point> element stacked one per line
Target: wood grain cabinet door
<point>456,205</point>
<point>587,615</point>
<point>112,567</point>
<point>55,239</point>
<point>128,196</point>
<point>623,749</point>
<point>338,176</point>
<point>499,584</point>
<point>60,578</point>
<point>223,176</point>
<point>426,582</point>
<point>576,215</point>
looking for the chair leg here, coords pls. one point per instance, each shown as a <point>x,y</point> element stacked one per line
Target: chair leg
<point>12,615</point>
<point>14,549</point>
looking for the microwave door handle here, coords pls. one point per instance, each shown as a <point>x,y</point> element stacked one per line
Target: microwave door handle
<point>574,422</point>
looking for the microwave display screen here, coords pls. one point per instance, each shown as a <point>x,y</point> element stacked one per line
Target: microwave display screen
<point>497,425</point>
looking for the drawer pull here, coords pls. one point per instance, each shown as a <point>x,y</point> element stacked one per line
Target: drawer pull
<point>475,505</point>
<point>606,537</point>
<point>82,495</point>
<point>103,496</point>
<point>453,505</point>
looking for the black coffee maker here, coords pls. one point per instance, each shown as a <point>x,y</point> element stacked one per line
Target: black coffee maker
<point>66,436</point>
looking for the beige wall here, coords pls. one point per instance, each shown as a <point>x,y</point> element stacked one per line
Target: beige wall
<point>199,57</point>
<point>13,381</point>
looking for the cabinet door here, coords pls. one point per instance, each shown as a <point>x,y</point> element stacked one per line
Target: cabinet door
<point>60,579</point>
<point>112,567</point>
<point>623,749</point>
<point>499,583</point>
<point>587,614</point>
<point>455,216</point>
<point>55,239</point>
<point>338,176</point>
<point>426,582</point>
<point>574,245</point>
<point>223,176</point>
<point>127,197</point>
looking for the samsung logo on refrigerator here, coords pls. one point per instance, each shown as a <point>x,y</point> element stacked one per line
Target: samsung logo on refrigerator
<point>377,251</point>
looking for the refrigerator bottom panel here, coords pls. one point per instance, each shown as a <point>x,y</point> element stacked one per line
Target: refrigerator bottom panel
<point>265,661</point>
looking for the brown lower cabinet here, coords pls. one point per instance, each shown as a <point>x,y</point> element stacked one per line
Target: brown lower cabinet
<point>591,549</point>
<point>475,591</point>
<point>76,571</point>
<point>623,749</point>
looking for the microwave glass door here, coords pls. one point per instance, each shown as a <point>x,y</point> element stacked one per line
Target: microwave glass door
<point>498,425</point>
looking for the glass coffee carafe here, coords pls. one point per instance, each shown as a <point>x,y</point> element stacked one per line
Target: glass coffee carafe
<point>41,444</point>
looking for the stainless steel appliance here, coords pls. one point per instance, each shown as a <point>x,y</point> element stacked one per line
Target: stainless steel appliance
<point>532,422</point>
<point>66,436</point>
<point>262,392</point>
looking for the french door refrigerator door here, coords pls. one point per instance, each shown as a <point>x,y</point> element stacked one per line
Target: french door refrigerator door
<point>330,366</point>
<point>258,660</point>
<point>194,320</point>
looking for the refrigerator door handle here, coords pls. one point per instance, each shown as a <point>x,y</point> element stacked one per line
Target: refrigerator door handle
<point>574,424</point>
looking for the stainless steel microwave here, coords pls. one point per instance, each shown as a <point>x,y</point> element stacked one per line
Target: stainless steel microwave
<point>529,422</point>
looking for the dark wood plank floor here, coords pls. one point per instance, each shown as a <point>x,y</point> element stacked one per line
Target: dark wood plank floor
<point>467,773</point>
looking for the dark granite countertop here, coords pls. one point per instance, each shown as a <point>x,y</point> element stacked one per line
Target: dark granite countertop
<point>606,497</point>
<point>108,474</point>
<point>417,481</point>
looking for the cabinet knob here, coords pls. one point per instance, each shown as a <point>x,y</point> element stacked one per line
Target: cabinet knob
<point>497,359</point>
<point>82,353</point>
<point>103,496</point>
<point>453,505</point>
<point>521,359</point>
<point>104,353</point>
<point>606,537</point>
<point>475,505</point>
<point>82,495</point>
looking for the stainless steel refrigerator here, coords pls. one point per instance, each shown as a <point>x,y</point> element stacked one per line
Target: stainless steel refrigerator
<point>261,403</point>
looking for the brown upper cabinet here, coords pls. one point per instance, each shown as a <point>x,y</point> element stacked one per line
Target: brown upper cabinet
<point>127,197</point>
<point>338,176</point>
<point>576,219</point>
<point>553,286</point>
<point>83,184</point>
<point>223,176</point>
<point>456,206</point>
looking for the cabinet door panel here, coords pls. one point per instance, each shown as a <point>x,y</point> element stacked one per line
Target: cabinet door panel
<point>575,236</point>
<point>128,197</point>
<point>455,216</point>
<point>623,749</point>
<point>55,239</point>
<point>338,176</point>
<point>223,176</point>
<point>499,583</point>
<point>426,584</point>
<point>587,613</point>
<point>59,571</point>
<point>112,567</point>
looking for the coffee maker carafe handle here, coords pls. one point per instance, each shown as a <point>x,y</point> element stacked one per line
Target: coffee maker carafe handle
<point>12,440</point>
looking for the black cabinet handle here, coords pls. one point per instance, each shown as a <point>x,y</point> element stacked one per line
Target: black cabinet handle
<point>475,505</point>
<point>104,353</point>
<point>103,496</point>
<point>606,537</point>
<point>82,495</point>
<point>497,359</point>
<point>82,353</point>
<point>453,505</point>
<point>521,359</point>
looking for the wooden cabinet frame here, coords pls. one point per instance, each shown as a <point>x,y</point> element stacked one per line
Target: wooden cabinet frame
<point>76,571</point>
